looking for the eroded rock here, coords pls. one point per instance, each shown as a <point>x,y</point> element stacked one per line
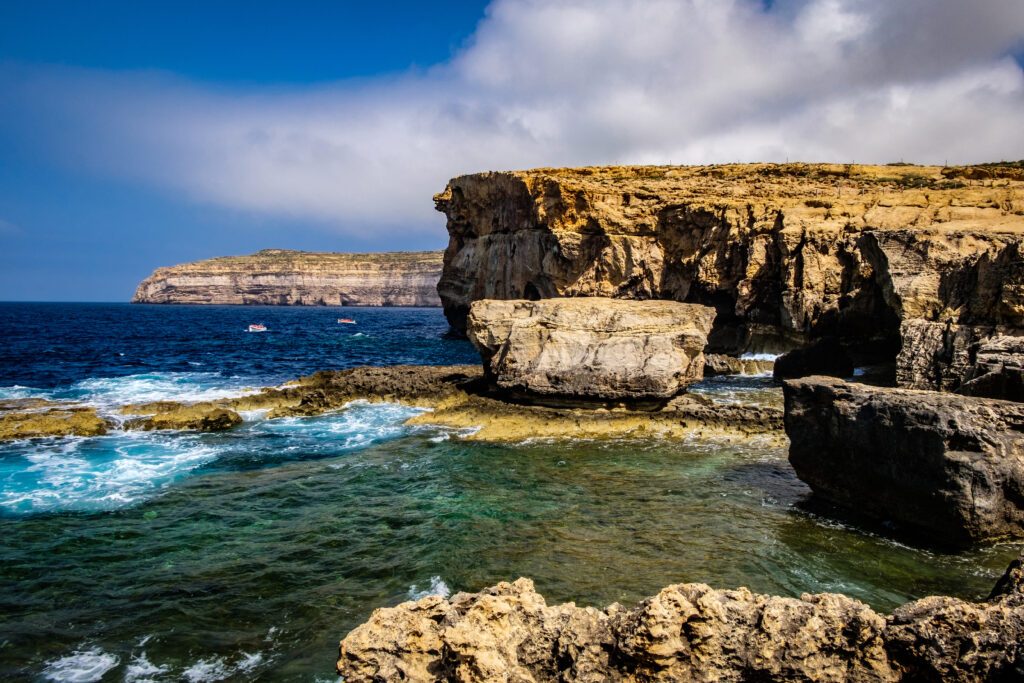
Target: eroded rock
<point>790,253</point>
<point>28,418</point>
<point>716,364</point>
<point>944,468</point>
<point>202,417</point>
<point>591,347</point>
<point>689,632</point>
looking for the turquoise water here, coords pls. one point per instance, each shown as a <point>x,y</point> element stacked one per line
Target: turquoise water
<point>248,554</point>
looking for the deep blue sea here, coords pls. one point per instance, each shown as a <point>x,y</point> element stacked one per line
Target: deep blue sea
<point>248,554</point>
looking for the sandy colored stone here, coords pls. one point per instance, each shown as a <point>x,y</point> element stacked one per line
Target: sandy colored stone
<point>458,397</point>
<point>27,418</point>
<point>285,277</point>
<point>786,253</point>
<point>716,364</point>
<point>202,417</point>
<point>591,347</point>
<point>689,632</point>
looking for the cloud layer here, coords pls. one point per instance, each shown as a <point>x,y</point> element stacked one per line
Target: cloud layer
<point>558,82</point>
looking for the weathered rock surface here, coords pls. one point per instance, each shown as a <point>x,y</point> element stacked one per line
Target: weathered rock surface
<point>689,632</point>
<point>283,277</point>
<point>458,398</point>
<point>202,417</point>
<point>591,347</point>
<point>947,468</point>
<point>27,418</point>
<point>789,253</point>
<point>997,369</point>
<point>721,364</point>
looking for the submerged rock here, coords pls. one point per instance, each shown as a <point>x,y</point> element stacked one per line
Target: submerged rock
<point>945,468</point>
<point>689,632</point>
<point>27,418</point>
<point>591,347</point>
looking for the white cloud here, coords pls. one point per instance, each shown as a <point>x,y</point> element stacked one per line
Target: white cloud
<point>560,82</point>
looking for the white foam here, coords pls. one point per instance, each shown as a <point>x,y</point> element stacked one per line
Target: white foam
<point>81,666</point>
<point>188,387</point>
<point>761,356</point>
<point>99,473</point>
<point>437,587</point>
<point>217,669</point>
<point>18,391</point>
<point>126,467</point>
<point>207,670</point>
<point>141,670</point>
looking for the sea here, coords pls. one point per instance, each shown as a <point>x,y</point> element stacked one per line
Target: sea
<point>248,554</point>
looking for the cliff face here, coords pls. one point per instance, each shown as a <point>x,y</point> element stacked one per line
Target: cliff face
<point>785,253</point>
<point>282,277</point>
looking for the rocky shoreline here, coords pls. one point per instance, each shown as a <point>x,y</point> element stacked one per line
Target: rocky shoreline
<point>690,632</point>
<point>457,397</point>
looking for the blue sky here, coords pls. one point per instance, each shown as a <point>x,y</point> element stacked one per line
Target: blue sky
<point>140,134</point>
<point>72,234</point>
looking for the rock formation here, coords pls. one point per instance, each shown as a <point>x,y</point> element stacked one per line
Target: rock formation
<point>719,364</point>
<point>870,255</point>
<point>455,397</point>
<point>201,417</point>
<point>282,277</point>
<point>33,417</point>
<point>689,632</point>
<point>946,468</point>
<point>591,347</point>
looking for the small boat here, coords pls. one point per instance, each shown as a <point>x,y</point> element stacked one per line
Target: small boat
<point>258,327</point>
<point>346,321</point>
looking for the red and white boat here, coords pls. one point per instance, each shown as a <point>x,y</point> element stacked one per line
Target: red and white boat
<point>258,327</point>
<point>346,321</point>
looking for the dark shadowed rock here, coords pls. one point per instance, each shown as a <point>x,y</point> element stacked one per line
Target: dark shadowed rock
<point>997,370</point>
<point>824,357</point>
<point>946,468</point>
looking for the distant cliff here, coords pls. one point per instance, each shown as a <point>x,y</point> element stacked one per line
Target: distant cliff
<point>301,278</point>
<point>915,260</point>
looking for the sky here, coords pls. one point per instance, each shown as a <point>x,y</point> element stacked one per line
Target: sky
<point>134,135</point>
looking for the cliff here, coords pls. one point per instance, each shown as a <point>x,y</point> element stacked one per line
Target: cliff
<point>882,258</point>
<point>283,277</point>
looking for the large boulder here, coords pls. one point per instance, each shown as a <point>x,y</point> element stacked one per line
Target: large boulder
<point>689,632</point>
<point>948,469</point>
<point>591,347</point>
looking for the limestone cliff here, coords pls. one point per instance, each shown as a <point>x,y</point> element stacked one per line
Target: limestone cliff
<point>785,253</point>
<point>283,277</point>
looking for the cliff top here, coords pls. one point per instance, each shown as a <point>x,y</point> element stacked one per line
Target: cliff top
<point>988,197</point>
<point>288,259</point>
